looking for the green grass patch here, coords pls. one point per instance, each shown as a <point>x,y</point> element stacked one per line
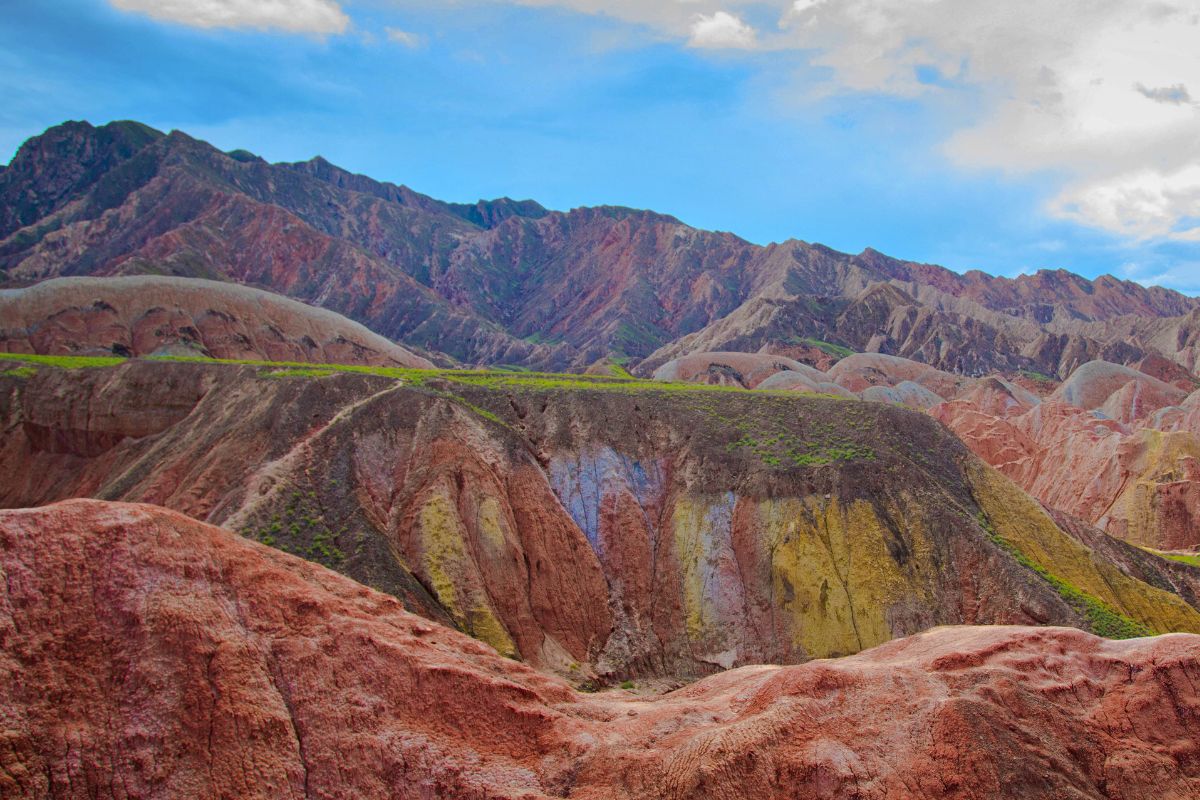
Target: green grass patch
<point>537,337</point>
<point>1183,558</point>
<point>496,379</point>
<point>297,372</point>
<point>301,527</point>
<point>1102,619</point>
<point>825,347</point>
<point>619,371</point>
<point>777,444</point>
<point>1037,377</point>
<point>64,362</point>
<point>1191,559</point>
<point>20,372</point>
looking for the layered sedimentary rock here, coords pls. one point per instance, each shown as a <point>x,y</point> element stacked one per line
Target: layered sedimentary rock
<point>747,370</point>
<point>153,315</point>
<point>150,655</point>
<point>607,529</point>
<point>1112,446</point>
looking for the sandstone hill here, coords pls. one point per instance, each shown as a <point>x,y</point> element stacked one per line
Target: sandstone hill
<point>149,655</point>
<point>599,528</point>
<point>152,315</point>
<point>507,282</point>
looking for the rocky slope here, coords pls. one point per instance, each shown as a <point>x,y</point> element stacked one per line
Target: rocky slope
<point>145,315</point>
<point>1111,445</point>
<point>511,282</point>
<point>597,528</point>
<point>149,655</point>
<point>1114,446</point>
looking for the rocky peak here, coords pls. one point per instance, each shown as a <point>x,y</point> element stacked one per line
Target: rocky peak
<point>490,213</point>
<point>51,169</point>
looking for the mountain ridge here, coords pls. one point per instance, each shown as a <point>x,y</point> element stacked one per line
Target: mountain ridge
<point>507,281</point>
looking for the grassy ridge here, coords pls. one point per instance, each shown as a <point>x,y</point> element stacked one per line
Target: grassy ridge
<point>487,378</point>
<point>64,362</point>
<point>1192,560</point>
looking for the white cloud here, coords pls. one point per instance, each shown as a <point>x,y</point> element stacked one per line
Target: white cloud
<point>1099,92</point>
<point>403,38</point>
<point>1143,204</point>
<point>720,29</point>
<point>1094,90</point>
<point>291,16</point>
<point>1174,95</point>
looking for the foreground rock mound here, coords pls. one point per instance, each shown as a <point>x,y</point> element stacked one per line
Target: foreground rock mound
<point>605,529</point>
<point>152,315</point>
<point>149,655</point>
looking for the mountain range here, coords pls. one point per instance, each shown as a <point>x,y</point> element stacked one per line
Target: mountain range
<point>506,282</point>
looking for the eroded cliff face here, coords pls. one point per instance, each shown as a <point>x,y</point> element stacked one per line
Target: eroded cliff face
<point>1114,447</point>
<point>600,530</point>
<point>150,655</point>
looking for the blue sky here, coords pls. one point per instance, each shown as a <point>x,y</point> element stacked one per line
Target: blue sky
<point>855,125</point>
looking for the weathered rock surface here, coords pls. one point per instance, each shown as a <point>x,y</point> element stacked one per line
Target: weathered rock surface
<point>747,370</point>
<point>609,530</point>
<point>863,370</point>
<point>1112,446</point>
<point>149,655</point>
<point>152,315</point>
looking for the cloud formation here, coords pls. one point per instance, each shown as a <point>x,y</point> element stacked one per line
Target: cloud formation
<point>1093,90</point>
<point>403,38</point>
<point>1166,94</point>
<point>319,17</point>
<point>721,30</point>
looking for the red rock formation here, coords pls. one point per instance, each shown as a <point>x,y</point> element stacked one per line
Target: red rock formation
<point>616,533</point>
<point>1113,446</point>
<point>151,315</point>
<point>746,370</point>
<point>863,370</point>
<point>149,655</point>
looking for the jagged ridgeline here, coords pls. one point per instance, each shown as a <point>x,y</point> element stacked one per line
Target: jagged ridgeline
<point>601,527</point>
<point>507,282</point>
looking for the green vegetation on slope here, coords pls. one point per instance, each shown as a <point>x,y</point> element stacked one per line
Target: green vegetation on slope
<point>1038,377</point>
<point>1191,559</point>
<point>488,378</point>
<point>825,347</point>
<point>301,529</point>
<point>1102,619</point>
<point>64,362</point>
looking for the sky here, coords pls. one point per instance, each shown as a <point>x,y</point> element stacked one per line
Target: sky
<point>1007,137</point>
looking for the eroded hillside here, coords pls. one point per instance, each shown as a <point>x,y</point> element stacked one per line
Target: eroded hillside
<point>601,528</point>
